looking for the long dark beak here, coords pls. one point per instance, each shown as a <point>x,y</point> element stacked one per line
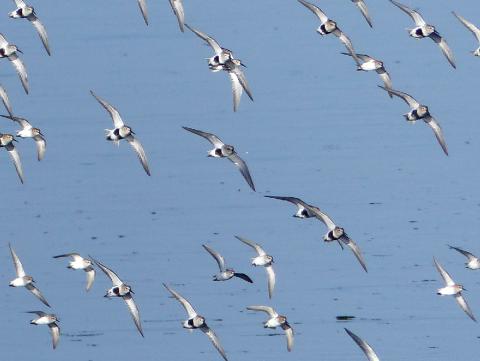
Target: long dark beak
<point>131,291</point>
<point>19,50</point>
<point>106,295</point>
<point>132,132</point>
<point>243,65</point>
<point>14,140</point>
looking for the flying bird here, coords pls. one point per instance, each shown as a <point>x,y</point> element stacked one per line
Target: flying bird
<point>25,11</point>
<point>28,131</point>
<point>264,260</point>
<point>328,26</point>
<point>453,289</point>
<point>473,262</point>
<point>51,321</point>
<point>364,10</point>
<point>420,111</point>
<point>366,348</point>
<point>275,321</point>
<point>78,262</point>
<point>24,280</point>
<point>224,60</point>
<point>120,289</point>
<point>335,233</point>
<point>424,30</point>
<point>177,7</point>
<point>196,321</point>
<point>475,31</point>
<point>225,273</point>
<point>222,150</point>
<point>9,51</point>
<point>6,141</point>
<point>123,131</point>
<point>367,63</point>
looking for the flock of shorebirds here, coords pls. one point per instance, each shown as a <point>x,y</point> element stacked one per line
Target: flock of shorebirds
<point>224,60</point>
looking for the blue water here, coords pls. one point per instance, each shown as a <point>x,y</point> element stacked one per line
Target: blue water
<point>317,130</point>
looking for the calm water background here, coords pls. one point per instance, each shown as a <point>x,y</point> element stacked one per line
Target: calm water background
<point>317,130</point>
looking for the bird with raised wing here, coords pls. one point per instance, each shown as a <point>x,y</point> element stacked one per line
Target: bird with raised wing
<point>28,131</point>
<point>225,273</point>
<point>78,262</point>
<point>263,260</point>
<point>25,11</point>
<point>24,280</point>
<point>122,131</point>
<point>222,150</point>
<point>367,63</point>
<point>473,262</point>
<point>224,60</point>
<point>328,26</point>
<point>196,321</point>
<point>453,289</point>
<point>275,321</point>
<point>420,111</point>
<point>51,321</point>
<point>335,233</point>
<point>424,30</point>
<point>8,50</point>
<point>120,289</point>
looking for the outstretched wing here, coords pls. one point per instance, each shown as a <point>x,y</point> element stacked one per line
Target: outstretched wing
<point>412,103</point>
<point>177,8</point>
<point>117,119</point>
<point>16,262</point>
<point>218,257</point>
<point>21,70</point>
<point>469,255</point>
<point>40,30</point>
<point>137,147</point>
<point>410,12</point>
<point>110,274</point>
<point>446,277</point>
<point>464,305</point>
<point>186,305</point>
<point>355,249</point>
<point>364,10</point>
<point>252,244</point>
<point>212,138</point>
<point>366,348</point>
<point>442,43</point>
<point>270,279</point>
<point>55,330</point>
<point>12,151</point>
<point>6,100</point>
<point>132,307</point>
<point>269,310</point>
<point>315,9</point>
<point>437,130</point>
<point>468,25</point>
<point>210,41</point>
<point>36,292</point>
<point>215,341</point>
<point>242,166</point>
<point>142,4</point>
